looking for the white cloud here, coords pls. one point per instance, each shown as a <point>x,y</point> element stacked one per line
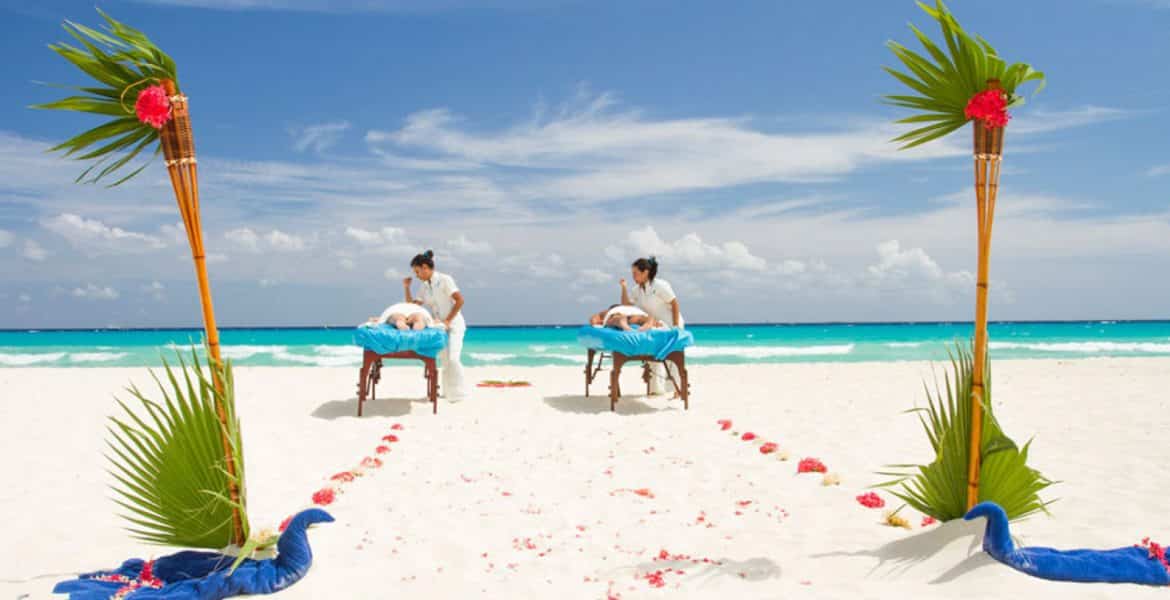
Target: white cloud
<point>463,245</point>
<point>595,276</point>
<point>283,242</point>
<point>25,298</point>
<point>33,251</point>
<point>346,263</point>
<point>386,237</point>
<point>592,150</point>
<point>155,290</point>
<point>265,283</point>
<point>318,137</point>
<point>1042,121</point>
<point>175,234</point>
<point>588,299</point>
<point>690,251</point>
<point>245,238</point>
<point>94,237</point>
<point>393,274</point>
<point>275,240</point>
<point>1159,170</point>
<point>6,238</point>
<point>95,292</point>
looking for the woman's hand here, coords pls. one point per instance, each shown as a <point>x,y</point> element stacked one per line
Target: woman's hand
<point>622,282</point>
<point>406,282</point>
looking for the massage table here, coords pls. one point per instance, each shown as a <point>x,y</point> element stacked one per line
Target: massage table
<point>666,346</point>
<point>381,342</point>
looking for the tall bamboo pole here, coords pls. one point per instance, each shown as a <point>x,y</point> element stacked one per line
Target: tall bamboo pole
<point>178,144</point>
<point>988,142</point>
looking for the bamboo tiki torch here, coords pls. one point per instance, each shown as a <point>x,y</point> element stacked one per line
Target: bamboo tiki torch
<point>178,144</point>
<point>988,158</point>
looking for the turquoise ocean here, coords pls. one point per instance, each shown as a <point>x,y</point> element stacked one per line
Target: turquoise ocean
<point>557,345</point>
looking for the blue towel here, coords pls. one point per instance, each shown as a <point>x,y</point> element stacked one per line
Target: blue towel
<point>654,342</point>
<point>1131,564</point>
<point>191,575</point>
<point>387,339</point>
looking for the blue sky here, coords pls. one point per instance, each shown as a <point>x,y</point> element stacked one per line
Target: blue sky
<point>540,146</point>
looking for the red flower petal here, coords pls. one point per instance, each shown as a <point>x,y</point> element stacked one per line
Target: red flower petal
<point>324,497</point>
<point>810,465</point>
<point>724,424</point>
<point>749,436</point>
<point>371,463</point>
<point>344,476</point>
<point>390,439</point>
<point>927,521</point>
<point>768,448</point>
<point>871,500</point>
<point>382,449</point>
<point>396,427</point>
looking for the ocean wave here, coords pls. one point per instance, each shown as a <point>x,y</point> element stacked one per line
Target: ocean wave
<point>769,351</point>
<point>1084,347</point>
<point>542,348</point>
<point>319,361</point>
<point>24,360</point>
<point>242,352</point>
<point>346,351</point>
<point>490,356</point>
<point>902,344</point>
<point>81,357</point>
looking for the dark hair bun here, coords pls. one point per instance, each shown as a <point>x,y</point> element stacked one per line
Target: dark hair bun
<point>653,260</point>
<point>429,254</point>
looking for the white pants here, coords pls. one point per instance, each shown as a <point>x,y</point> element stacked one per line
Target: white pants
<point>659,383</point>
<point>451,384</point>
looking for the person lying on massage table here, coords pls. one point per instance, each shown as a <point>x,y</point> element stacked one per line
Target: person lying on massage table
<point>404,316</point>
<point>621,317</point>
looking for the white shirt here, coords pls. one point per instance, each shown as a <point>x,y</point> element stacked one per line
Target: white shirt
<point>655,299</point>
<point>406,309</point>
<point>436,295</point>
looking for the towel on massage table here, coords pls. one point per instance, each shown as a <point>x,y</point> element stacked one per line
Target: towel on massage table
<point>658,343</point>
<point>387,339</point>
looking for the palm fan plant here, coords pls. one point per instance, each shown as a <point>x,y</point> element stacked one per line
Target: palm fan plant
<point>938,489</point>
<point>967,82</point>
<point>135,85</point>
<point>172,472</point>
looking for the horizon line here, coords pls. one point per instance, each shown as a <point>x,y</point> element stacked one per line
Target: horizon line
<point>564,325</point>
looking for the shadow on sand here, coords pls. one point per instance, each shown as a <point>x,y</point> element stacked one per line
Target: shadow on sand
<point>594,405</point>
<point>382,407</point>
<point>900,556</point>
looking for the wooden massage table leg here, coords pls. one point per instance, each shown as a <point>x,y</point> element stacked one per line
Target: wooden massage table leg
<point>369,358</point>
<point>589,371</point>
<point>683,385</point>
<point>432,376</point>
<point>615,388</point>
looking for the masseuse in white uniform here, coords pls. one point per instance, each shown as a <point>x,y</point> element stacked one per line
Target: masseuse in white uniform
<point>441,296</point>
<point>656,297</point>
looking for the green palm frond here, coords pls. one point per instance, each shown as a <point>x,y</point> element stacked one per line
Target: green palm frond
<point>168,462</point>
<point>122,61</point>
<point>939,489</point>
<point>943,81</point>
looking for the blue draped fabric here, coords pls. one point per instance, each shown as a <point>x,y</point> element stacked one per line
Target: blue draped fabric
<point>1131,564</point>
<point>191,575</point>
<point>387,339</point>
<point>653,342</point>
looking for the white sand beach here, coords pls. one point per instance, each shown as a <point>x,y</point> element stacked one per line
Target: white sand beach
<point>542,493</point>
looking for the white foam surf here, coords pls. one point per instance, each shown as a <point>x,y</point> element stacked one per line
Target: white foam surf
<point>769,351</point>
